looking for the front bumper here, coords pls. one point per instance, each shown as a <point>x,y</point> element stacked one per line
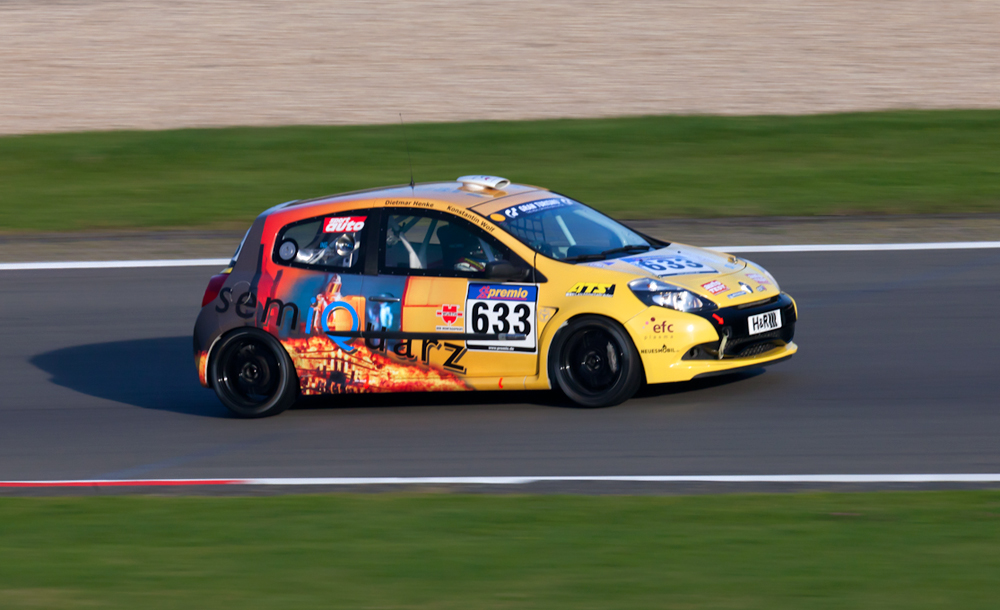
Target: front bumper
<point>698,354</point>
<point>732,324</point>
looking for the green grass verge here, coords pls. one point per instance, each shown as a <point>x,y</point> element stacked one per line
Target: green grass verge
<point>896,162</point>
<point>873,550</point>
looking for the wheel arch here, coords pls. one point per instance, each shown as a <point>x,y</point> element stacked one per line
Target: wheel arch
<point>253,330</point>
<point>564,323</point>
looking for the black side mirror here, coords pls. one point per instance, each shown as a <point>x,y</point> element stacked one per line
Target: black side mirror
<point>504,270</point>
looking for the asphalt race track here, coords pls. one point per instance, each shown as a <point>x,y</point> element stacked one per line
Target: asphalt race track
<point>898,372</point>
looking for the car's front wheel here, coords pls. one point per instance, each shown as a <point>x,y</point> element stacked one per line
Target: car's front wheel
<point>252,374</point>
<point>594,363</point>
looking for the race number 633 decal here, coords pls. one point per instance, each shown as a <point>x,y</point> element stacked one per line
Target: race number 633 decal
<point>663,266</point>
<point>501,309</point>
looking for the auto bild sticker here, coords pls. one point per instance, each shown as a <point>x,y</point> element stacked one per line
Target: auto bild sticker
<point>667,265</point>
<point>586,288</point>
<point>523,209</point>
<point>504,309</point>
<point>450,315</point>
<point>715,287</point>
<point>344,224</point>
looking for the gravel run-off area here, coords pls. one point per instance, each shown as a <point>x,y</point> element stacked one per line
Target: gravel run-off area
<point>68,65</point>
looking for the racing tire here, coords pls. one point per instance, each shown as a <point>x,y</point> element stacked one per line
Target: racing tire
<point>252,374</point>
<point>595,363</point>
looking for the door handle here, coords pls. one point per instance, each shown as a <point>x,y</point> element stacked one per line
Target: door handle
<point>381,299</point>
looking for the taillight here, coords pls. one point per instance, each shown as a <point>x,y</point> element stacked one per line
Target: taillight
<point>214,286</point>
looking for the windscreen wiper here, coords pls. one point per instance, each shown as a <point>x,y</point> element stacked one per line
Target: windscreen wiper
<point>603,255</point>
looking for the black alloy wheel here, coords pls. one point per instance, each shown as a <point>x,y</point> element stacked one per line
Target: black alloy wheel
<point>594,362</point>
<point>252,374</point>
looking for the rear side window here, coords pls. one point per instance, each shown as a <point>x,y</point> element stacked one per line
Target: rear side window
<point>327,243</point>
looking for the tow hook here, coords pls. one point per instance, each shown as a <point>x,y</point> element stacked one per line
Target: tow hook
<point>722,344</point>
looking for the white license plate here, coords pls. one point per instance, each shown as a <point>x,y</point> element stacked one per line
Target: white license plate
<point>763,322</point>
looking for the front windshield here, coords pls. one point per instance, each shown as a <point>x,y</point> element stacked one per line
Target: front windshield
<point>567,230</point>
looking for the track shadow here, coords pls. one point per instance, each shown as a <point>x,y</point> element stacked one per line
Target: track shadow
<point>149,373</point>
<point>669,389</point>
<point>534,397</point>
<point>160,374</point>
<point>428,399</point>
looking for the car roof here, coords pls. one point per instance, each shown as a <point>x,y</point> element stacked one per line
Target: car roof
<point>454,193</point>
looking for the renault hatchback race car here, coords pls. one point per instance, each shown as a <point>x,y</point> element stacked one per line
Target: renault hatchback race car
<point>477,284</point>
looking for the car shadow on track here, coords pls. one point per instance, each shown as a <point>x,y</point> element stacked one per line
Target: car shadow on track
<point>160,374</point>
<point>149,373</point>
<point>531,397</point>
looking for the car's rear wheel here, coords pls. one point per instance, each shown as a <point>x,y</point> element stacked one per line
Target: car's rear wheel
<point>252,374</point>
<point>594,362</point>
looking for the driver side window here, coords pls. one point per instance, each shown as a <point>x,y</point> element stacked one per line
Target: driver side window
<point>436,244</point>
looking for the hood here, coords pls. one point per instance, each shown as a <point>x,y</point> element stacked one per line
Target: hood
<point>723,278</point>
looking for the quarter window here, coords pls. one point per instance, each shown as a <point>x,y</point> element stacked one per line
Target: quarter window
<point>326,243</point>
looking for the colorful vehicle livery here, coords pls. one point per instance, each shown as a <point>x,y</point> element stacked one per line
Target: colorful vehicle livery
<point>477,284</point>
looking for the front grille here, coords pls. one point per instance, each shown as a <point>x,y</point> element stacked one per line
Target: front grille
<point>736,346</point>
<point>739,343</point>
<point>757,349</point>
<point>742,349</point>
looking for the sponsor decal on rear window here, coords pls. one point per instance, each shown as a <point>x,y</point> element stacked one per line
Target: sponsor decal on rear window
<point>532,207</point>
<point>586,288</point>
<point>344,224</point>
<point>715,287</point>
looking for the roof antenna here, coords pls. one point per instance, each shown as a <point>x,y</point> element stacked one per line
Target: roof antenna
<point>408,159</point>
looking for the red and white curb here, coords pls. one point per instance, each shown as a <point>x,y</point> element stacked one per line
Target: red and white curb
<point>521,480</point>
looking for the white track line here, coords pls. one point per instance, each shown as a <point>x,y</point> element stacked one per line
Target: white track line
<point>943,245</point>
<point>808,478</point>
<point>522,480</point>
<point>216,262</point>
<point>179,262</point>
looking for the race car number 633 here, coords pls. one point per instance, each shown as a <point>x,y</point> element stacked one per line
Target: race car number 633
<point>502,309</point>
<point>497,318</point>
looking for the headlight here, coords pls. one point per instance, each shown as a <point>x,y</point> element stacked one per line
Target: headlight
<point>655,292</point>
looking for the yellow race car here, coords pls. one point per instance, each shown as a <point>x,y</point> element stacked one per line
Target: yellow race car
<point>477,284</point>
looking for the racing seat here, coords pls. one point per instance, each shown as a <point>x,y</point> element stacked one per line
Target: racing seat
<point>399,252</point>
<point>456,244</point>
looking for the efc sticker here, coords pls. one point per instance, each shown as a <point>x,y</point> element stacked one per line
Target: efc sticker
<point>450,315</point>
<point>715,287</point>
<point>597,290</point>
<point>502,309</point>
<point>663,266</point>
<point>344,224</point>
<point>532,207</point>
<point>760,279</point>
